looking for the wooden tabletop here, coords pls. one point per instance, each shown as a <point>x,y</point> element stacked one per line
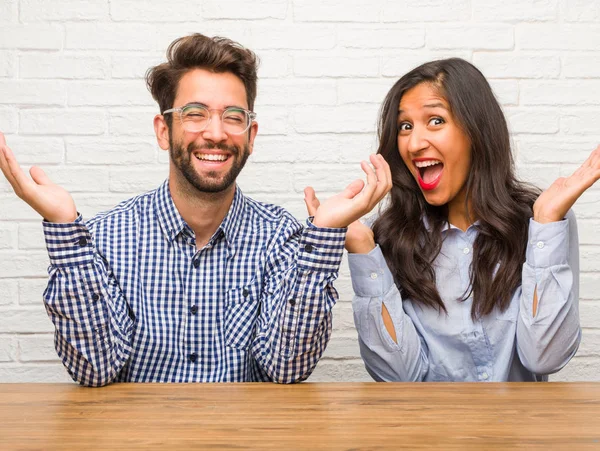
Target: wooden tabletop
<point>312,416</point>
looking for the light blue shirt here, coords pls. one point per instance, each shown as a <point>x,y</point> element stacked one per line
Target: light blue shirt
<point>513,345</point>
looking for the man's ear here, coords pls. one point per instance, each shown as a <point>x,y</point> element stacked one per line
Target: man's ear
<point>252,134</point>
<point>161,129</point>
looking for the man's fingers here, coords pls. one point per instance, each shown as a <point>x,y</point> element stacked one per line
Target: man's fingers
<point>371,180</point>
<point>19,176</point>
<point>384,174</point>
<point>11,169</point>
<point>39,176</point>
<point>383,181</point>
<point>4,163</point>
<point>354,188</point>
<point>311,201</point>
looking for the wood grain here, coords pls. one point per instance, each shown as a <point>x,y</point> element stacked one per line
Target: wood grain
<point>344,416</point>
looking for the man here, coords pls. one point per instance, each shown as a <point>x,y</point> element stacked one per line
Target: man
<point>193,281</point>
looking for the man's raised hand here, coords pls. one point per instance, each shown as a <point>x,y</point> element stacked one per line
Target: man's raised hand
<point>52,202</point>
<point>358,199</point>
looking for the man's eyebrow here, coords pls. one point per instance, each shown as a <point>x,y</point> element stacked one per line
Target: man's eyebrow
<point>207,107</point>
<point>195,104</point>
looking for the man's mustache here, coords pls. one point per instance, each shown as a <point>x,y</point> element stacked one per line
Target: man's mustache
<point>224,147</point>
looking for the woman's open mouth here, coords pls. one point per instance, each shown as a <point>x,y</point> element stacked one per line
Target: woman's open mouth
<point>429,173</point>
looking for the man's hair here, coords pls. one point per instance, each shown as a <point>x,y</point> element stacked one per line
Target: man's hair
<point>216,54</point>
<point>501,204</point>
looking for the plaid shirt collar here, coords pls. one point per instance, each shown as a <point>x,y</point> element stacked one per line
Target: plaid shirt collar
<point>172,224</point>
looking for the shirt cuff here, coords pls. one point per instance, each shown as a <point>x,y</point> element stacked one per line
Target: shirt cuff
<point>370,274</point>
<point>68,244</point>
<point>321,248</point>
<point>548,244</point>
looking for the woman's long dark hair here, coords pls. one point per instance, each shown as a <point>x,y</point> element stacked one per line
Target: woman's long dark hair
<point>494,197</point>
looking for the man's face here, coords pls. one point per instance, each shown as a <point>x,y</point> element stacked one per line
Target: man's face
<point>210,160</point>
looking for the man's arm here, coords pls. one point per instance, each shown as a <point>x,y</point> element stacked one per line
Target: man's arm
<point>294,326</point>
<point>85,304</point>
<point>290,342</point>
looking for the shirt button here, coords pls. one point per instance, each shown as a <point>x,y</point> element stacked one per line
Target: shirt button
<point>193,357</point>
<point>466,250</point>
<point>292,302</point>
<point>309,248</point>
<point>196,263</point>
<point>82,241</point>
<point>373,275</point>
<point>245,292</point>
<point>540,244</point>
<point>95,297</point>
<point>484,376</point>
<point>194,309</point>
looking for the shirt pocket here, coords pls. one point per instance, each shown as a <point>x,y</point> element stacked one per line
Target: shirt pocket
<point>241,312</point>
<point>511,313</point>
<point>441,372</point>
<point>275,286</point>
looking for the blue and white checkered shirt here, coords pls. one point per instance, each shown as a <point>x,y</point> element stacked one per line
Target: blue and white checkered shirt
<point>133,299</point>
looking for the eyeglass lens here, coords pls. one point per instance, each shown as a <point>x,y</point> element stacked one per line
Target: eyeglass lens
<point>197,118</point>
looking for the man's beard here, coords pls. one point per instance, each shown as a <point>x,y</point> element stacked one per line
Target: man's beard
<point>182,159</point>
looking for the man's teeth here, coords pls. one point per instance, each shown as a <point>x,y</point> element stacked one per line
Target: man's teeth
<point>424,164</point>
<point>211,157</point>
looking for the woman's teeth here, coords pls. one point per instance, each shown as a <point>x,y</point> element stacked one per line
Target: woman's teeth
<point>424,164</point>
<point>429,170</point>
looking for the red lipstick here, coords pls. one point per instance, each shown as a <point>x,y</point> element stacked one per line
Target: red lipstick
<point>427,186</point>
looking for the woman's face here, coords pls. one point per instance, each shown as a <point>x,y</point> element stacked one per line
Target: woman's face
<point>434,147</point>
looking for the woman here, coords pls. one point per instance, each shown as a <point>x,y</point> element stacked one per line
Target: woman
<point>467,274</point>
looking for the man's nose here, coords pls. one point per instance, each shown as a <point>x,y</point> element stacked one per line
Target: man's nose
<point>214,131</point>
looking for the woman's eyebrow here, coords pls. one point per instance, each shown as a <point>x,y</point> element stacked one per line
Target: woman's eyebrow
<point>428,105</point>
<point>435,105</point>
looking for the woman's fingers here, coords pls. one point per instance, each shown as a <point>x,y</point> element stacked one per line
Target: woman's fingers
<point>587,174</point>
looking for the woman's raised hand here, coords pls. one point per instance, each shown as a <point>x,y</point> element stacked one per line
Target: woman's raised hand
<point>554,203</point>
<point>52,202</point>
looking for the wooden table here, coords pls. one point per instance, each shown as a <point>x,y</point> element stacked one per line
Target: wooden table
<point>312,416</point>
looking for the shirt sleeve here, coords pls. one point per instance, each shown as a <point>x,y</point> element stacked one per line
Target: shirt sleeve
<point>86,305</point>
<point>374,287</point>
<point>294,325</point>
<point>547,341</point>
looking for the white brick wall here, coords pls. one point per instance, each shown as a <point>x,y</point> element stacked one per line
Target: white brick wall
<point>73,99</point>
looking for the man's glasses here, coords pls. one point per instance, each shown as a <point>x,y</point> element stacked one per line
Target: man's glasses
<point>195,118</point>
